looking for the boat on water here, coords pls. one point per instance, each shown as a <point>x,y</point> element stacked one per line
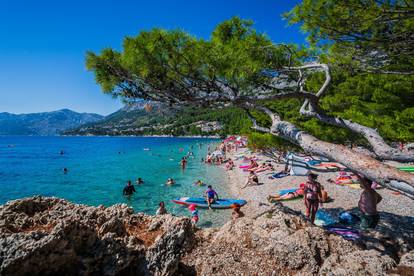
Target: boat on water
<point>200,202</point>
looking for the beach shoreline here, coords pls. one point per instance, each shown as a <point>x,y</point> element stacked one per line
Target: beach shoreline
<point>344,198</point>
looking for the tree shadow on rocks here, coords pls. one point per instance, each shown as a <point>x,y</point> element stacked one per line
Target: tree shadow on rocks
<point>393,236</point>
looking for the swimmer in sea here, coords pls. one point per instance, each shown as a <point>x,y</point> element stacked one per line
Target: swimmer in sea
<point>65,170</point>
<point>183,163</point>
<point>170,181</point>
<point>129,189</point>
<point>139,181</point>
<point>199,183</point>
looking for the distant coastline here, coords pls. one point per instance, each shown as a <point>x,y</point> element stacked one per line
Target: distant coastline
<point>149,136</point>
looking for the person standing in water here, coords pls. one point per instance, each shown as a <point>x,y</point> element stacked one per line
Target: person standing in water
<point>183,163</point>
<point>194,213</point>
<point>161,209</point>
<point>312,196</point>
<point>368,204</point>
<point>129,189</point>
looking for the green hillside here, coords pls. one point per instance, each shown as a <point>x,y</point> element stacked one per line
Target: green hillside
<point>162,121</point>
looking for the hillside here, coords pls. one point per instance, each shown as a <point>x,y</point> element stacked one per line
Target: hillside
<point>45,123</point>
<point>162,121</point>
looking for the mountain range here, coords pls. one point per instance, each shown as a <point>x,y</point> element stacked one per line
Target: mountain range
<point>45,123</point>
<point>136,119</point>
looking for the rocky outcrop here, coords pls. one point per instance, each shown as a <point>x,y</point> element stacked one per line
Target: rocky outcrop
<point>281,243</point>
<point>50,236</point>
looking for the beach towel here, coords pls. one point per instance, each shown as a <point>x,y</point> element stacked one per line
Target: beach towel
<point>286,191</point>
<point>346,232</point>
<point>313,162</point>
<point>279,175</point>
<point>324,218</point>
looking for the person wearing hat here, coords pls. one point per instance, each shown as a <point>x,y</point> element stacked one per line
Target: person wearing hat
<point>312,196</point>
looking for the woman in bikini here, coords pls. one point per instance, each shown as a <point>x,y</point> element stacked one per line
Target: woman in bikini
<point>313,196</point>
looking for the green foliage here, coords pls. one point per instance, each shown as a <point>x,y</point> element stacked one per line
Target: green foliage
<point>173,66</point>
<point>366,33</point>
<point>169,66</point>
<point>269,141</point>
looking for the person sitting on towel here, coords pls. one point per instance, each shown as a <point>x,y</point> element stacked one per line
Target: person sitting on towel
<point>251,180</point>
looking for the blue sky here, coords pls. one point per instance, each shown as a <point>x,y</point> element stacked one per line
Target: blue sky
<point>43,43</point>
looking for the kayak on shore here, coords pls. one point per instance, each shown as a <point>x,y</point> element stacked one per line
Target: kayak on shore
<point>200,202</point>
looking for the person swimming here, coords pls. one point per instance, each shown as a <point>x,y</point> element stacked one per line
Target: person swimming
<point>65,170</point>
<point>170,181</point>
<point>139,181</point>
<point>129,189</point>
<point>199,183</point>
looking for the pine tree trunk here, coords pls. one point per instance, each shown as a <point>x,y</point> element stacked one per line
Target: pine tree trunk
<point>371,168</point>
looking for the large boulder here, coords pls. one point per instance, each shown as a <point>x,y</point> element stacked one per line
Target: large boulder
<point>45,236</point>
<point>280,243</point>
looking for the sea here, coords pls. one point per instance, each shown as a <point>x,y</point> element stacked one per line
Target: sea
<point>98,168</point>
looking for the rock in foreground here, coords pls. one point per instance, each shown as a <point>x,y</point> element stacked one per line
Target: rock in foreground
<point>281,243</point>
<point>50,236</point>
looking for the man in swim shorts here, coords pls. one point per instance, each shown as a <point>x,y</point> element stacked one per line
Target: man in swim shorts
<point>211,196</point>
<point>368,204</point>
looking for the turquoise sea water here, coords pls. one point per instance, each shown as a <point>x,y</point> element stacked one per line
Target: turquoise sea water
<point>98,168</point>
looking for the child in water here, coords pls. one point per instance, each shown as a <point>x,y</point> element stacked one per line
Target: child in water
<point>194,213</point>
<point>161,209</point>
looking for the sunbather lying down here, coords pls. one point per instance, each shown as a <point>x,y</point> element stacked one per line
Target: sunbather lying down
<point>298,193</point>
<point>291,195</point>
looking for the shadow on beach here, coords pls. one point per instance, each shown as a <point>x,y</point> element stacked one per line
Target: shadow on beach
<point>393,236</point>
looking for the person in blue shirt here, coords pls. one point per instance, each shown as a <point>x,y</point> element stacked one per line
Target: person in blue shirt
<point>211,196</point>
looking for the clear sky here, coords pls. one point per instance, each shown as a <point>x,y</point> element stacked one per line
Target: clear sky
<point>43,43</point>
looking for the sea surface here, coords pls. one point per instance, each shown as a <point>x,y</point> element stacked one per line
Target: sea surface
<point>99,167</point>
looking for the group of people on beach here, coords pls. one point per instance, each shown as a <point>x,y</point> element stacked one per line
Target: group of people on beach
<point>313,193</point>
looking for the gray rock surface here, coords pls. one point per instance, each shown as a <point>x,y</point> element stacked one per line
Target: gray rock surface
<point>49,236</point>
<point>281,243</point>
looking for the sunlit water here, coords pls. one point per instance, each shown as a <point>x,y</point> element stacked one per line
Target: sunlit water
<point>98,168</point>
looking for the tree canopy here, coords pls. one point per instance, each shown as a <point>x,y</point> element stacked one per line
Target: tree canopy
<point>302,98</point>
<point>373,35</point>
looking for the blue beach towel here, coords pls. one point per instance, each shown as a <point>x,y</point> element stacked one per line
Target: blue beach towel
<point>286,191</point>
<point>279,175</point>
